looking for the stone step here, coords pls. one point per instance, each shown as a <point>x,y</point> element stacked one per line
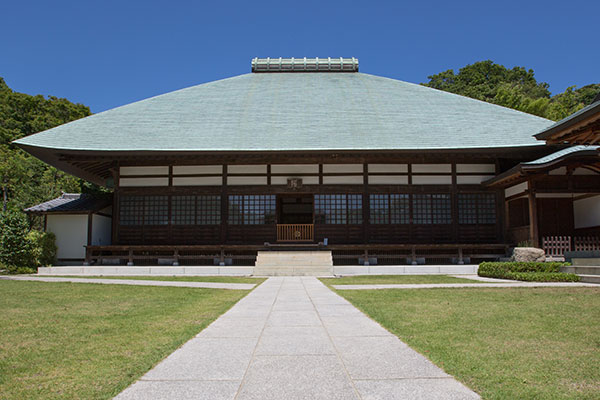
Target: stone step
<point>585,270</point>
<point>296,271</point>
<point>590,278</point>
<point>290,258</point>
<point>586,261</point>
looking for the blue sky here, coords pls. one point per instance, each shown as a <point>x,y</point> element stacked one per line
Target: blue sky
<point>109,53</point>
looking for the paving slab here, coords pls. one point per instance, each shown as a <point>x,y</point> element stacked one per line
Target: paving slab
<point>198,360</point>
<point>293,338</point>
<point>414,389</point>
<point>297,377</point>
<point>181,390</point>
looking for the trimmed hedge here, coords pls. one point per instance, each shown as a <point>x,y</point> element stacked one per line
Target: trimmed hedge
<point>527,271</point>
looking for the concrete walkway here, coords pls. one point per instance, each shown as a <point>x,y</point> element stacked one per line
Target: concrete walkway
<point>135,282</point>
<point>464,285</point>
<point>293,338</point>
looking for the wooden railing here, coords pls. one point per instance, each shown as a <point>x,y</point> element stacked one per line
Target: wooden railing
<point>295,232</point>
<point>558,245</point>
<point>586,243</point>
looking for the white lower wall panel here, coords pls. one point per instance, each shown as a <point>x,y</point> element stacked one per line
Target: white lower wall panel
<point>246,180</point>
<point>198,181</point>
<point>306,180</point>
<point>143,182</point>
<point>388,180</point>
<point>432,180</point>
<point>587,212</point>
<point>343,180</point>
<point>71,234</point>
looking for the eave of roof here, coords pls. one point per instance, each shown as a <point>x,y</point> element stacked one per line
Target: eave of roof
<point>71,203</point>
<point>569,121</point>
<point>518,172</point>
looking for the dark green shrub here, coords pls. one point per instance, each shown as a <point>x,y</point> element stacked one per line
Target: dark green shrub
<point>15,249</point>
<point>526,271</point>
<point>43,248</point>
<point>17,270</point>
<point>543,276</point>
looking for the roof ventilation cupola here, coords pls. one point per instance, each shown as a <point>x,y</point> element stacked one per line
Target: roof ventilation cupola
<point>305,64</point>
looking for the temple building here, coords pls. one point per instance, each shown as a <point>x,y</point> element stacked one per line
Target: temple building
<point>312,154</point>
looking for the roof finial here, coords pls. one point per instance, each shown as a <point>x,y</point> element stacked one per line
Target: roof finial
<point>305,64</point>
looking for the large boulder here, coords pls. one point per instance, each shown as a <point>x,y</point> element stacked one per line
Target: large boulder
<point>528,254</point>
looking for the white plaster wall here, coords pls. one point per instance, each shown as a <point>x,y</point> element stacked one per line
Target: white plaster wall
<point>520,188</point>
<point>198,181</point>
<point>343,180</point>
<point>197,169</point>
<point>246,180</point>
<point>432,180</point>
<point>341,168</point>
<point>247,169</point>
<point>306,180</point>
<point>584,171</point>
<point>163,170</point>
<point>388,179</point>
<point>472,179</point>
<point>432,168</point>
<point>558,171</point>
<point>71,234</point>
<point>101,230</point>
<point>462,168</point>
<point>388,168</point>
<point>295,169</point>
<point>587,212</point>
<point>140,182</point>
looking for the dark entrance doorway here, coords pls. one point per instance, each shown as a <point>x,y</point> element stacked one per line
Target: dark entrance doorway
<point>295,209</point>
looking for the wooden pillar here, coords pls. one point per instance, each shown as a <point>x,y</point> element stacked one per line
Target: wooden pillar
<point>224,206</point>
<point>115,206</point>
<point>533,221</point>
<point>89,228</point>
<point>365,205</point>
<point>454,205</point>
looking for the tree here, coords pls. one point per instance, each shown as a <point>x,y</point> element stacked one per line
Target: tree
<point>25,180</point>
<point>515,88</point>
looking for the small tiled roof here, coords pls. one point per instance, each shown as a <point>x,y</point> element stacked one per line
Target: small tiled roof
<point>300,111</point>
<point>569,151</point>
<point>74,203</point>
<point>519,170</point>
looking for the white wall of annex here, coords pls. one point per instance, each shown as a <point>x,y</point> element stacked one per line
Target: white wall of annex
<point>71,234</point>
<point>587,212</point>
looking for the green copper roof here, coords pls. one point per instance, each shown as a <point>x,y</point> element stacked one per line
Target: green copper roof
<point>568,152</point>
<point>298,111</point>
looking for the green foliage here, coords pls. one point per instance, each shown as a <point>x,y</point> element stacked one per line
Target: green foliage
<point>15,249</point>
<point>43,248</point>
<point>515,88</point>
<point>543,276</point>
<point>25,180</point>
<point>527,271</point>
<point>22,250</point>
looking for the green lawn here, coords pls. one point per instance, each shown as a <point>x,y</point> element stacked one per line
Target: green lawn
<point>85,341</point>
<point>509,343</point>
<point>392,279</point>
<point>219,279</point>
